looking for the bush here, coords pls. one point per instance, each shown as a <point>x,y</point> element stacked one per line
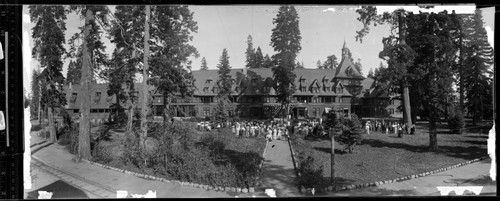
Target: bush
<point>102,154</point>
<point>456,122</point>
<point>311,174</point>
<point>36,127</point>
<point>352,131</point>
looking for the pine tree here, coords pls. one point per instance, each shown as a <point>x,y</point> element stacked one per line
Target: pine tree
<point>371,74</point>
<point>319,65</point>
<point>74,72</point>
<point>331,62</point>
<point>480,58</point>
<point>396,51</point>
<point>203,64</point>
<point>432,77</point>
<point>36,101</point>
<point>48,35</point>
<point>93,58</point>
<point>250,53</point>
<point>258,58</point>
<point>267,63</point>
<point>285,39</point>
<point>224,85</point>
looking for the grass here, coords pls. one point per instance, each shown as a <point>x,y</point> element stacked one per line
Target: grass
<point>382,157</point>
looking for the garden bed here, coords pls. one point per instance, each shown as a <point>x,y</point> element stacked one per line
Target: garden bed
<point>241,155</point>
<point>382,157</point>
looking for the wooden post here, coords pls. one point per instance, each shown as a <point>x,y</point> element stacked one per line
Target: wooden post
<point>332,169</point>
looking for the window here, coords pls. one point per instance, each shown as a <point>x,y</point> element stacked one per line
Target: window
<point>207,99</point>
<point>216,90</point>
<point>73,98</point>
<point>327,99</point>
<point>237,89</point>
<point>101,110</point>
<point>340,100</point>
<point>316,112</point>
<point>208,81</point>
<point>391,111</point>
<point>315,89</point>
<point>76,110</point>
<point>97,97</point>
<point>254,80</point>
<point>267,89</point>
<point>205,89</point>
<point>206,111</point>
<point>303,89</point>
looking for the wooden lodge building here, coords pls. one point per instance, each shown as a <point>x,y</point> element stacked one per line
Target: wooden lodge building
<point>318,91</point>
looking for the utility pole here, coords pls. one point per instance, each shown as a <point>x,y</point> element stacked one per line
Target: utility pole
<point>332,162</point>
<point>145,91</point>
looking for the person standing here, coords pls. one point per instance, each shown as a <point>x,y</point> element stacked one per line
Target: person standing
<point>367,127</point>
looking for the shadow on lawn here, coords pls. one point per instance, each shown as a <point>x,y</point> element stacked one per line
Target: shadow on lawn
<point>452,151</point>
<point>329,150</point>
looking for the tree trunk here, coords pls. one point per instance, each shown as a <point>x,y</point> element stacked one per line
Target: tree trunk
<point>433,145</point>
<point>332,169</point>
<point>84,136</point>
<point>461,73</point>
<point>52,126</point>
<point>39,110</point>
<point>406,93</point>
<point>145,77</point>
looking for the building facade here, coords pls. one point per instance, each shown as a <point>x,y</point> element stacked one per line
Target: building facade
<point>253,94</point>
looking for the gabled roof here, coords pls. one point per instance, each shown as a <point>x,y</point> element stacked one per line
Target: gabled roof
<point>344,67</point>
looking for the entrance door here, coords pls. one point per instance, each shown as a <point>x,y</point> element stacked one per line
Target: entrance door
<point>301,113</point>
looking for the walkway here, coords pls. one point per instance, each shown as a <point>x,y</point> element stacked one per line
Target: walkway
<point>278,172</point>
<point>100,182</point>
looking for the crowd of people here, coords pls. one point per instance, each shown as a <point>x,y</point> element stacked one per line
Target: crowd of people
<point>279,129</point>
<point>388,126</point>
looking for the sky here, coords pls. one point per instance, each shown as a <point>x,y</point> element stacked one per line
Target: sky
<point>323,29</point>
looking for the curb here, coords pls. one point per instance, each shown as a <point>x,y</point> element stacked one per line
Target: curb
<point>183,183</point>
<point>294,159</point>
<point>333,188</point>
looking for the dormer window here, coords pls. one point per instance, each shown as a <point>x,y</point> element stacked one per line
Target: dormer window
<point>267,89</point>
<point>254,80</point>
<point>109,99</point>
<point>237,89</point>
<point>209,81</point>
<point>315,89</point>
<point>303,89</point>
<point>216,90</point>
<point>73,97</point>
<point>205,89</point>
<point>97,97</point>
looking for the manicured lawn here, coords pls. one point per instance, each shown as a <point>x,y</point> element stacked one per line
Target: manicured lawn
<point>382,157</point>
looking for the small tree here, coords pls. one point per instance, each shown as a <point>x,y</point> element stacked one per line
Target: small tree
<point>456,121</point>
<point>351,132</point>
